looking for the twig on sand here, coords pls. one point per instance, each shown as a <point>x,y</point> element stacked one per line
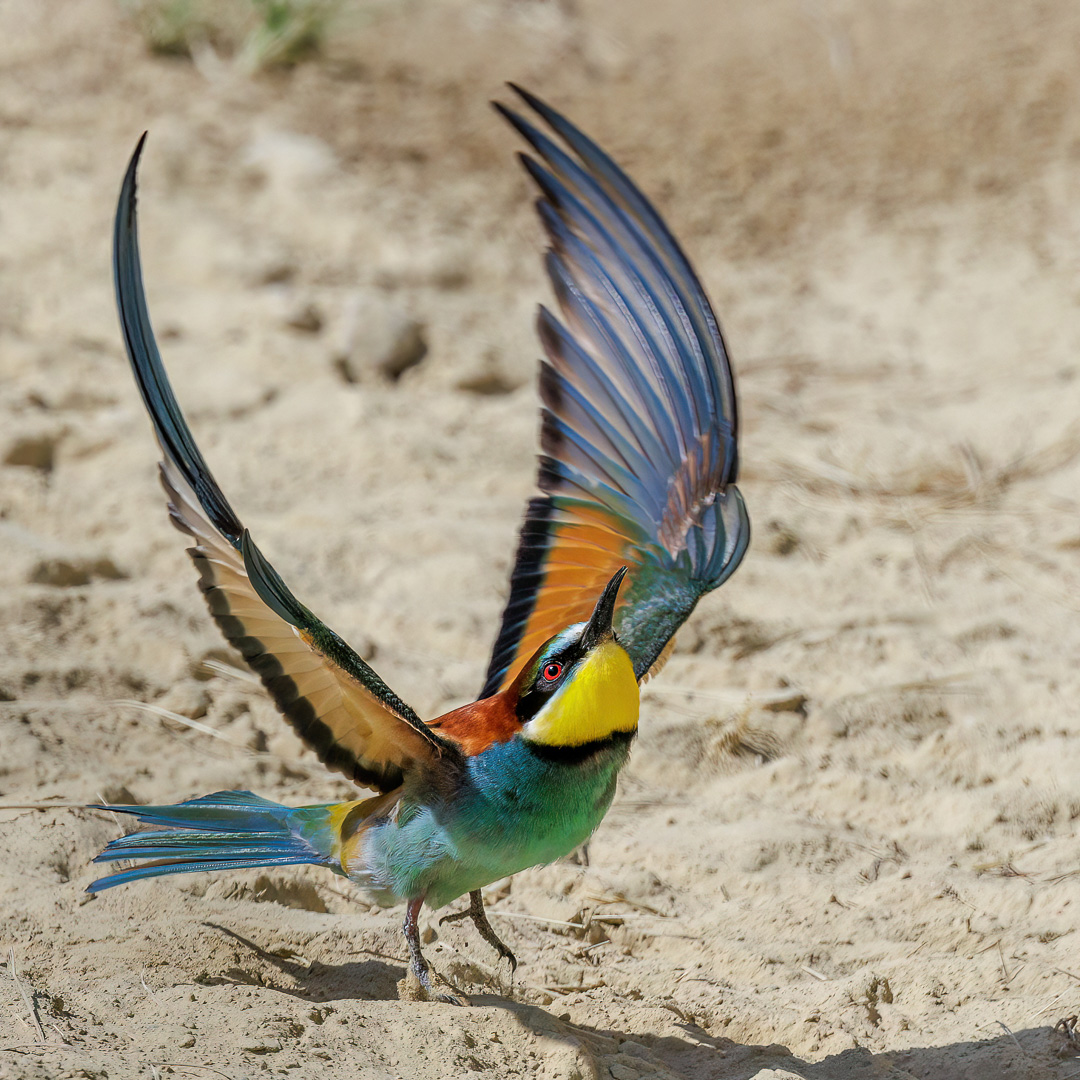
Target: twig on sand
<point>1067,1026</point>
<point>536,918</point>
<point>1004,970</point>
<point>44,806</point>
<point>185,1065</point>
<point>155,1066</point>
<point>619,898</point>
<point>1046,1008</point>
<point>1011,1036</point>
<point>28,999</point>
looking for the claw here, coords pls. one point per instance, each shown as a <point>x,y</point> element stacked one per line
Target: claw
<point>475,911</point>
<point>456,916</point>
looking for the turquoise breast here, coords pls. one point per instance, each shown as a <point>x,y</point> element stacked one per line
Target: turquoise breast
<point>517,805</point>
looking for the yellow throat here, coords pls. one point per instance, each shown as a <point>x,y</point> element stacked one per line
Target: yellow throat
<point>601,699</point>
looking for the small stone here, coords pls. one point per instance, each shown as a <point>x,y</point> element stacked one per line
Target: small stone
<point>279,272</point>
<point>71,571</point>
<point>780,539</point>
<point>795,702</point>
<point>33,451</point>
<point>256,1045</point>
<point>406,350</point>
<point>118,795</point>
<point>491,383</point>
<point>376,337</point>
<point>306,319</point>
<point>167,1037</point>
<point>289,160</point>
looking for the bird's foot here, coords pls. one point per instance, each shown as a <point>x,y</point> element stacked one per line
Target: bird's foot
<point>476,912</point>
<point>429,986</point>
<point>422,983</point>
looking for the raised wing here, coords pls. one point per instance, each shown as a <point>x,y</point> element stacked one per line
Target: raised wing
<point>639,420</point>
<point>336,703</point>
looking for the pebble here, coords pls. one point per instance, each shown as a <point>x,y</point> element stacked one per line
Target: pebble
<point>379,341</point>
<point>32,451</point>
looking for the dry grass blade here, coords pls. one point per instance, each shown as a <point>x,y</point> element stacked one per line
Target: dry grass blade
<point>1026,581</point>
<point>44,806</point>
<point>619,898</point>
<point>1056,455</point>
<point>1011,1036</point>
<point>205,729</point>
<point>1067,1026</point>
<point>962,482</point>
<point>536,918</point>
<point>1046,1008</point>
<point>773,701</point>
<point>27,997</point>
<point>186,721</point>
<point>958,682</point>
<point>196,1068</point>
<point>229,671</point>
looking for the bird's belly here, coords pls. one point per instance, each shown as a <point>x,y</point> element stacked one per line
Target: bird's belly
<point>505,820</point>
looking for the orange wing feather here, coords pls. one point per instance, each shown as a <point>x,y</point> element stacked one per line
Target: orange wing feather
<point>338,705</point>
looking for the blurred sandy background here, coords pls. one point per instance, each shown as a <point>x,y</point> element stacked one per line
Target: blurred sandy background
<point>846,846</point>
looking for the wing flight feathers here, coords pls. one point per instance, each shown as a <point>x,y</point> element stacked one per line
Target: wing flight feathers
<point>639,422</point>
<point>337,703</point>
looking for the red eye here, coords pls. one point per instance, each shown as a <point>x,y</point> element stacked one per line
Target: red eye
<point>552,671</point>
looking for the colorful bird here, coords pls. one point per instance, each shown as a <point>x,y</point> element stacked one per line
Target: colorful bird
<point>637,471</point>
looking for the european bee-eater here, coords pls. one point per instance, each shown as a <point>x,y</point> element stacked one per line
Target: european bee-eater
<point>636,475</point>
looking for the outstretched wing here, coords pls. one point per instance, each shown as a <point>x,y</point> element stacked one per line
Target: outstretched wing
<point>336,703</point>
<point>639,420</point>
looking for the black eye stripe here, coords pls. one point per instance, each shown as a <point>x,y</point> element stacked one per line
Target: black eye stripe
<point>538,691</point>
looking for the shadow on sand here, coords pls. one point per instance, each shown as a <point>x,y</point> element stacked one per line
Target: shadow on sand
<point>1032,1054</point>
<point>367,980</point>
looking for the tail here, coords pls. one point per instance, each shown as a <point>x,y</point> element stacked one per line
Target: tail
<point>230,830</point>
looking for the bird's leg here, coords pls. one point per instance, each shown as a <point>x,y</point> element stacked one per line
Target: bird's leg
<point>475,911</point>
<point>417,964</point>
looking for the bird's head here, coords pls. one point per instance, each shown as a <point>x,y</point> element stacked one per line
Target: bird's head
<point>579,687</point>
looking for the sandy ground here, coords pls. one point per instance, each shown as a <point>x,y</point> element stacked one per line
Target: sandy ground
<point>846,846</point>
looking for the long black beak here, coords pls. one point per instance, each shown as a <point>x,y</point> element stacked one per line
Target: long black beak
<point>599,628</point>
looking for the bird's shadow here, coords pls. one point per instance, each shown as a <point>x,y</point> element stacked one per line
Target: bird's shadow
<point>1041,1052</point>
<point>370,980</point>
<point>1045,1053</point>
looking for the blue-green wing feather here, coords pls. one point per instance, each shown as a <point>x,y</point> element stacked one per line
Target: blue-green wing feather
<point>639,421</point>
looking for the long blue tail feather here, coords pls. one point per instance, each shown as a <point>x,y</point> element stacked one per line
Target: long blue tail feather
<point>229,830</point>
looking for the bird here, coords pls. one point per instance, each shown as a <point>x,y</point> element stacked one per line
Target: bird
<point>637,516</point>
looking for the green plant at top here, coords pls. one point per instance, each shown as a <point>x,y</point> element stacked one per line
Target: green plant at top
<point>287,32</point>
<point>258,33</point>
